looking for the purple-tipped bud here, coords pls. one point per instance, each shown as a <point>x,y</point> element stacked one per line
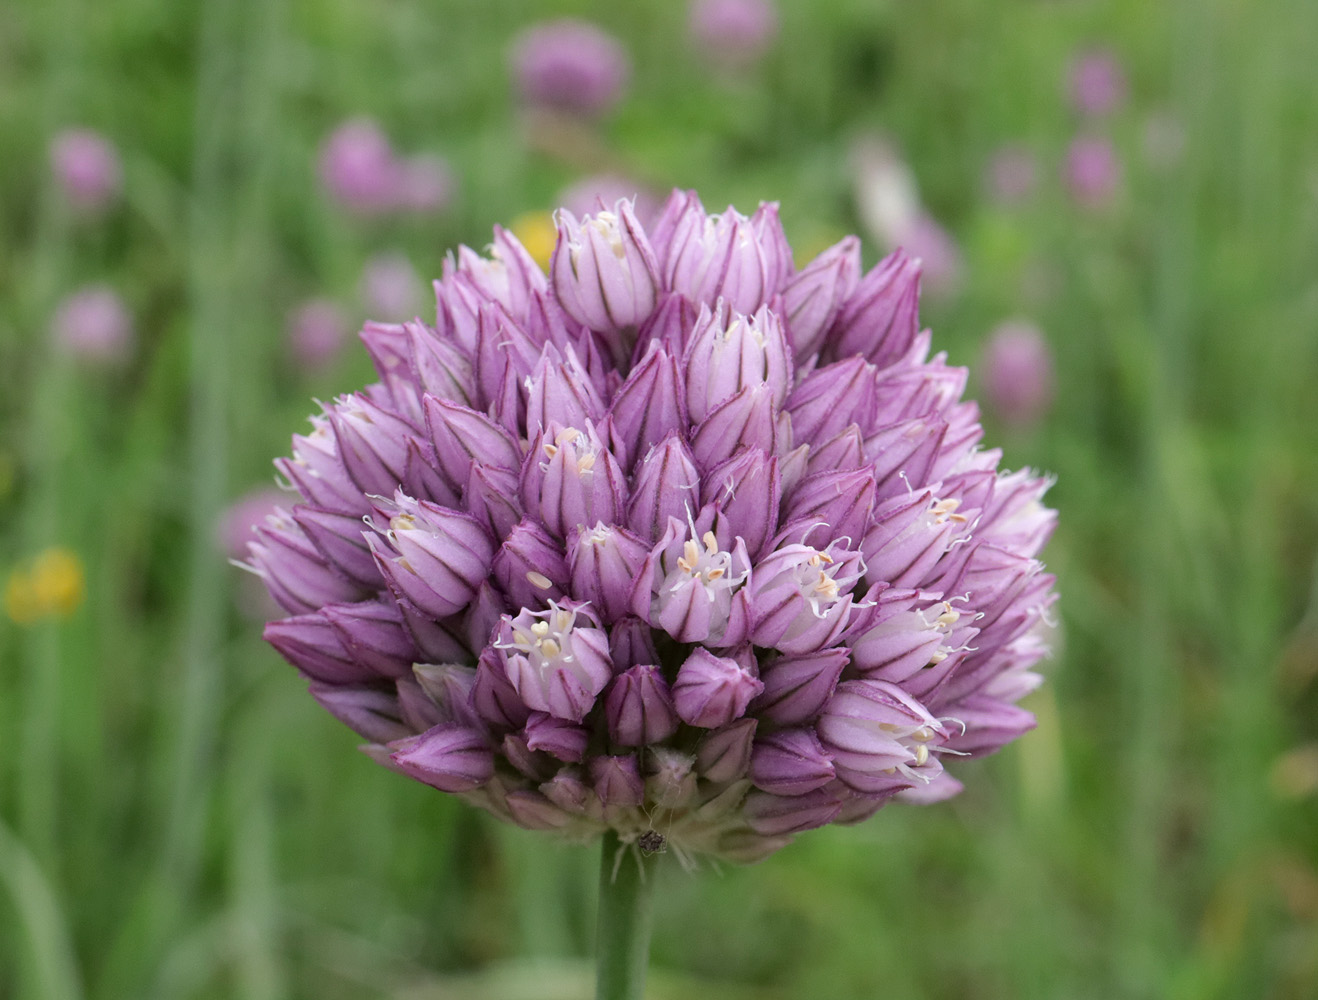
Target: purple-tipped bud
<point>725,754</point>
<point>448,686</point>
<point>530,568</point>
<point>778,815</point>
<point>369,712</point>
<point>461,436</point>
<point>790,762</point>
<point>340,538</point>
<point>666,486</point>
<point>831,399</point>
<point>631,642</point>
<point>839,502</point>
<point>748,490</point>
<point>561,393</point>
<point>605,274</point>
<point>86,167</point>
<point>650,405</point>
<point>796,688</point>
<point>571,479</point>
<point>570,793</point>
<point>879,320</point>
<point>437,556</point>
<point>712,691</point>
<point>728,351</point>
<point>298,577</point>
<point>493,696</point>
<point>311,644</point>
<point>604,562</point>
<point>556,737</point>
<point>373,634</point>
<point>556,664</point>
<point>372,444</point>
<point>812,299</point>
<point>617,780</point>
<point>743,261</point>
<point>747,420</point>
<point>639,707</point>
<point>449,757</point>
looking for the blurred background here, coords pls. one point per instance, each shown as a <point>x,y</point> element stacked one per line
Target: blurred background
<point>1117,206</point>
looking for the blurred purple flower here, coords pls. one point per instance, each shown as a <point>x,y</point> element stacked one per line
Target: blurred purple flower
<point>317,331</point>
<point>86,167</point>
<point>1013,174</point>
<point>358,168</point>
<point>571,66</point>
<point>93,325</point>
<point>1097,82</point>
<point>676,538</point>
<point>927,240</point>
<point>390,286</point>
<point>425,184</point>
<point>1016,370</point>
<point>736,32</point>
<point>1092,171</point>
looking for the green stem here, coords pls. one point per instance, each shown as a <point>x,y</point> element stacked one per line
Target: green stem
<point>622,934</point>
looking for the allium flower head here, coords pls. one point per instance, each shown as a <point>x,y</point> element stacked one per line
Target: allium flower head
<point>1017,373</point>
<point>1097,83</point>
<point>1092,171</point>
<point>733,32</point>
<point>86,167</point>
<point>677,540</point>
<point>93,325</point>
<point>571,66</point>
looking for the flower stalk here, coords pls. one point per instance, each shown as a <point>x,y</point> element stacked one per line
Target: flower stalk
<point>622,933</point>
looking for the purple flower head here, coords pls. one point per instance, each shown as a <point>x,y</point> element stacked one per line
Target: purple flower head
<point>674,537</point>
<point>570,66</point>
<point>93,325</point>
<point>358,168</point>
<point>1017,373</point>
<point>1097,83</point>
<point>733,32</point>
<point>87,168</point>
<point>1092,171</point>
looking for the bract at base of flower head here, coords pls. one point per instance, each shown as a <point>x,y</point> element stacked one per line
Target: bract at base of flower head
<point>675,541</point>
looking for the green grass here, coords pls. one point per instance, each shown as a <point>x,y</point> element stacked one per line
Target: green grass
<point>178,818</point>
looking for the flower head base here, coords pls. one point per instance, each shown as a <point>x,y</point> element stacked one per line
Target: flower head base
<point>673,537</point>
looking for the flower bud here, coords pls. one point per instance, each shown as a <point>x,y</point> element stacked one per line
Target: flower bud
<point>449,757</point>
<point>604,562</point>
<point>666,486</point>
<point>796,688</point>
<point>529,567</point>
<point>639,707</point>
<point>880,319</point>
<point>812,298</point>
<point>712,691</point>
<point>617,780</point>
<point>728,351</point>
<point>604,271</point>
<point>725,754</point>
<point>778,815</point>
<point>442,555</point>
<point>790,762</point>
<point>369,712</point>
<point>556,737</point>
<point>650,405</point>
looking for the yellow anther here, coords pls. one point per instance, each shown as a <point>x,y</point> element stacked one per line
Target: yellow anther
<point>923,734</point>
<point>921,755</point>
<point>711,543</point>
<point>549,648</point>
<point>586,462</point>
<point>567,435</point>
<point>540,582</point>
<point>715,573</point>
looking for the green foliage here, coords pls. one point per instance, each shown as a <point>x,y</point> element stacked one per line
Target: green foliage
<point>177,817</point>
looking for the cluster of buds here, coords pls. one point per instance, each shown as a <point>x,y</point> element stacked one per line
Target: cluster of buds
<point>676,540</point>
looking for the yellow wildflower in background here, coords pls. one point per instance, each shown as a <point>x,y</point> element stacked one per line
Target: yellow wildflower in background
<point>51,585</point>
<point>536,231</point>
